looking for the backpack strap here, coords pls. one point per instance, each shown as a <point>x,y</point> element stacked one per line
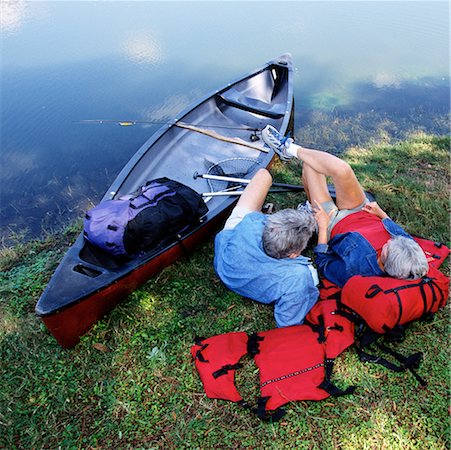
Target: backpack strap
<point>409,363</point>
<point>253,346</point>
<point>436,288</point>
<point>425,281</point>
<point>224,370</point>
<point>318,328</point>
<point>396,334</point>
<point>199,356</point>
<point>162,191</point>
<point>262,414</point>
<point>420,285</point>
<point>178,238</point>
<point>328,386</point>
<point>349,314</point>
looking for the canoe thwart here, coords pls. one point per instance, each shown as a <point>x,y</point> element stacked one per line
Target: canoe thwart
<point>236,99</point>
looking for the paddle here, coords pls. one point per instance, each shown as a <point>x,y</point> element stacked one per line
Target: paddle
<point>288,187</point>
<point>220,137</point>
<point>224,193</point>
<point>285,187</point>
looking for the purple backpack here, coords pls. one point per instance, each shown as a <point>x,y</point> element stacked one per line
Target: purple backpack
<point>134,223</point>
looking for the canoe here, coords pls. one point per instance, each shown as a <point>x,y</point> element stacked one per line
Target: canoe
<point>219,132</point>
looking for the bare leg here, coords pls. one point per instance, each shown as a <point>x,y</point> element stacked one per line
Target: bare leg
<point>256,191</point>
<point>348,190</point>
<point>315,185</point>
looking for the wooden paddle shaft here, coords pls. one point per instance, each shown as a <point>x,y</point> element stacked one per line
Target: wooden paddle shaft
<point>220,137</point>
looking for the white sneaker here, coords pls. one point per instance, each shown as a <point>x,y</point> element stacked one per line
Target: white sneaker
<point>278,142</point>
<point>306,206</point>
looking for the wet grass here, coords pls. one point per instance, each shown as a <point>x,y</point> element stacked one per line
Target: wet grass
<point>130,383</point>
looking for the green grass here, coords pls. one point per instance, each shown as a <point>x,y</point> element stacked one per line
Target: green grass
<point>139,389</point>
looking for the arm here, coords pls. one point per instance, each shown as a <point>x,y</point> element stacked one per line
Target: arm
<point>376,210</point>
<point>323,219</point>
<point>393,228</point>
<point>255,192</point>
<point>292,307</point>
<point>330,265</point>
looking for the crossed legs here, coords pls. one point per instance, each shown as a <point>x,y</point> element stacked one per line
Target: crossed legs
<point>317,165</point>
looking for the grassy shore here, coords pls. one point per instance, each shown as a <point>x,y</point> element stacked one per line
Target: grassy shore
<point>131,383</point>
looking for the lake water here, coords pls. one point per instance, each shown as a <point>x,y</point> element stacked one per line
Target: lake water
<point>365,72</point>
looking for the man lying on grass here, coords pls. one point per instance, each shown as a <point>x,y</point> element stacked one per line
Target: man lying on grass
<point>355,236</point>
<point>259,256</point>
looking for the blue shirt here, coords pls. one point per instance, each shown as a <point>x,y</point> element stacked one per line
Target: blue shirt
<point>350,254</point>
<point>243,266</point>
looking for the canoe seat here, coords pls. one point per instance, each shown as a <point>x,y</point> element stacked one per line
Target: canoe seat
<point>234,98</point>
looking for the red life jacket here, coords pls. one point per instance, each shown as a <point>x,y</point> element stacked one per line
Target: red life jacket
<point>217,359</point>
<point>292,361</point>
<point>435,252</point>
<point>334,329</point>
<point>293,366</point>
<point>384,303</point>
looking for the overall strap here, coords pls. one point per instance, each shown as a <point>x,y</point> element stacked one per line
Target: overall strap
<point>410,363</point>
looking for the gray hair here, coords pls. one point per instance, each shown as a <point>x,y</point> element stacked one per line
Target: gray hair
<point>287,231</point>
<point>405,259</point>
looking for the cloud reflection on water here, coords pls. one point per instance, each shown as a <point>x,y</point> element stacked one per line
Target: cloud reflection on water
<point>142,48</point>
<point>170,107</point>
<point>12,15</point>
<point>362,70</point>
<point>384,79</point>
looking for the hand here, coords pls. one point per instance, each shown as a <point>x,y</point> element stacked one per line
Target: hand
<point>321,216</point>
<point>375,209</point>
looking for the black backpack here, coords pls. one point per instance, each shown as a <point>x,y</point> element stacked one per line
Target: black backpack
<point>136,222</point>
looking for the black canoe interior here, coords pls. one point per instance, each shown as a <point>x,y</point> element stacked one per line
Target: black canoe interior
<point>95,256</point>
<point>178,153</point>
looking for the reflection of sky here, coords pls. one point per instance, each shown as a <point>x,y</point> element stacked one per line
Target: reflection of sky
<point>65,61</point>
<point>12,16</point>
<point>386,39</point>
<point>142,48</point>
